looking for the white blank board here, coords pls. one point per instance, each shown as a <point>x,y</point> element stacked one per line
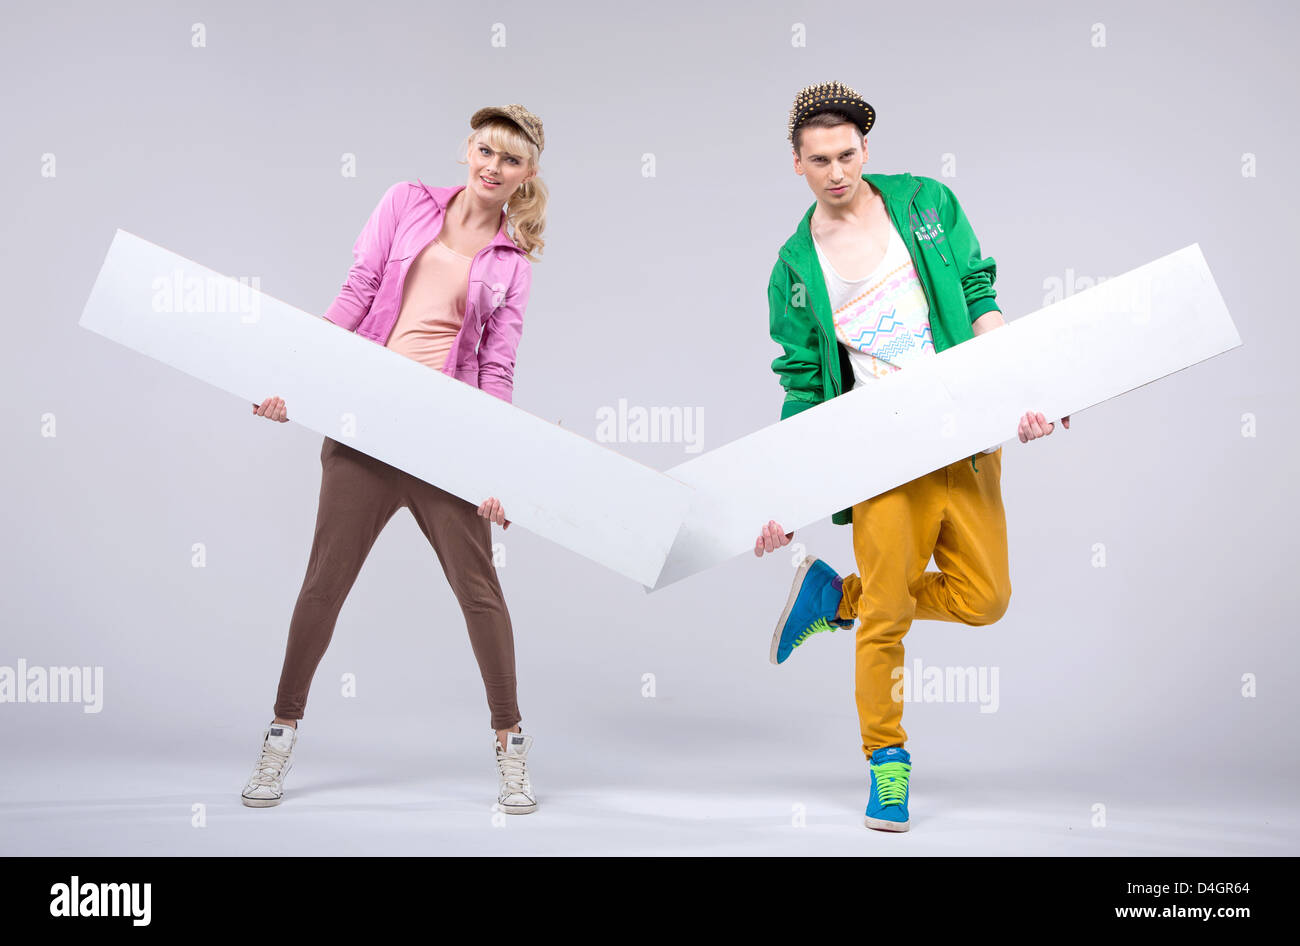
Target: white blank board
<point>652,527</point>
<point>577,493</point>
<point>1090,347</point>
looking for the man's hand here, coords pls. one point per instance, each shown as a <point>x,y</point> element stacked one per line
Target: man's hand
<point>491,509</point>
<point>1034,425</point>
<point>771,538</point>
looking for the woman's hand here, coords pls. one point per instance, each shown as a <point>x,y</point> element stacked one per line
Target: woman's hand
<point>272,409</point>
<point>771,538</point>
<point>491,509</point>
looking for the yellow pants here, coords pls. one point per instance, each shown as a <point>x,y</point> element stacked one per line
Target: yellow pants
<point>953,513</point>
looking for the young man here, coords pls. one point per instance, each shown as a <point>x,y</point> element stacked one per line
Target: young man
<point>884,270</point>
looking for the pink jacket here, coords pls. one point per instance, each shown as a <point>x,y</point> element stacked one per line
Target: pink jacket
<point>406,220</point>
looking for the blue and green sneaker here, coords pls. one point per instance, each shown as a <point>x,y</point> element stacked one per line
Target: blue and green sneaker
<point>813,607</point>
<point>891,768</point>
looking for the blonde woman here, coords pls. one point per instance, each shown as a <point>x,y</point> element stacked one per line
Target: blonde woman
<point>441,275</point>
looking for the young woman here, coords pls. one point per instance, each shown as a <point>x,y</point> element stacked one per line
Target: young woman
<point>436,278</point>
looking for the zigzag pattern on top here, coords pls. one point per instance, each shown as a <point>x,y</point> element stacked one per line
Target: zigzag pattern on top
<point>887,325</point>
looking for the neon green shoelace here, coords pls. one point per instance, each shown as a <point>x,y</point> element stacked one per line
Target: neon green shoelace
<point>891,781</point>
<point>816,627</point>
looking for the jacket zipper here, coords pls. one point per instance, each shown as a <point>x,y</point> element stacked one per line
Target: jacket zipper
<point>928,303</point>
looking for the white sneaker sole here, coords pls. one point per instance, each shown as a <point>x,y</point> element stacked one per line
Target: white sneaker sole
<point>789,605</point>
<point>260,802</point>
<point>517,809</point>
<point>880,825</point>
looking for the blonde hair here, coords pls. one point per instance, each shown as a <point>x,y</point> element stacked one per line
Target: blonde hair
<point>526,208</point>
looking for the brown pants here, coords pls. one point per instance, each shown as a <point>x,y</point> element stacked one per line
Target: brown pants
<point>358,495</point>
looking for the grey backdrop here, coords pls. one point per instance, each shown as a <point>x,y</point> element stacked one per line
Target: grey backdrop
<point>1119,686</point>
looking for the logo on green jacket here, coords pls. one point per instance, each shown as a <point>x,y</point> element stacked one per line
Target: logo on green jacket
<point>926,226</point>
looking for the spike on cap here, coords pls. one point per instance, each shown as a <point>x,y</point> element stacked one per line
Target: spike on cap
<point>830,96</point>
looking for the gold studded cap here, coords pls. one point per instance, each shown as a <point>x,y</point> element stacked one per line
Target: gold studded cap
<point>830,96</point>
<point>528,123</point>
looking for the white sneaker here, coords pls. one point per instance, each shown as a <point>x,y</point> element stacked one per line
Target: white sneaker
<point>265,786</point>
<point>515,795</point>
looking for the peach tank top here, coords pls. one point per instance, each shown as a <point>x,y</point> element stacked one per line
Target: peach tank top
<point>433,305</point>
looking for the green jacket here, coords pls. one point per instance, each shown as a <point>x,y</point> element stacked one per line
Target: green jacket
<point>957,281</point>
